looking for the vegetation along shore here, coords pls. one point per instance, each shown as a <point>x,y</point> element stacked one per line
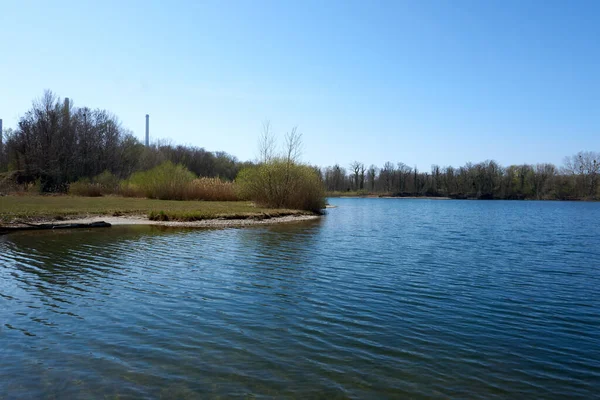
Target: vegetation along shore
<point>25,209</point>
<point>64,162</point>
<point>58,148</point>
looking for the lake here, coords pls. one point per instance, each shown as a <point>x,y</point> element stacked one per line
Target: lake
<point>382,298</point>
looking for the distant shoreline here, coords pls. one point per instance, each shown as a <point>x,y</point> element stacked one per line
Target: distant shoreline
<point>374,196</point>
<point>371,196</point>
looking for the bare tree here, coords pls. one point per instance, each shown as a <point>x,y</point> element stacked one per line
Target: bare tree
<point>356,167</point>
<point>293,145</point>
<point>541,178</point>
<point>387,174</point>
<point>362,176</point>
<point>449,180</point>
<point>403,173</point>
<point>585,164</point>
<point>293,149</point>
<point>435,177</point>
<point>266,143</point>
<point>371,175</point>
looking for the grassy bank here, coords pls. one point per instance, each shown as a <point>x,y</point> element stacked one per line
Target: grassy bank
<point>47,208</point>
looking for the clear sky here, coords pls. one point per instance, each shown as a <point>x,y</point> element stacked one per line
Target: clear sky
<point>420,82</point>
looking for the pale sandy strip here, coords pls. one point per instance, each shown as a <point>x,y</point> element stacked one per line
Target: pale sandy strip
<point>141,220</point>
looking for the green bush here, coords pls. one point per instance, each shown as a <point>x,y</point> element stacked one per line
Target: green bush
<point>164,182</point>
<point>108,182</point>
<point>280,183</point>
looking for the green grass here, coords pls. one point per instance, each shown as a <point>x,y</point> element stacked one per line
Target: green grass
<point>47,208</point>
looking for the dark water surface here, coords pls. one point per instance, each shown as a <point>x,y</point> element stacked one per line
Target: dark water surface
<point>383,298</point>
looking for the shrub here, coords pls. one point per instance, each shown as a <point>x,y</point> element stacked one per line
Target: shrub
<point>107,181</point>
<point>280,183</point>
<point>102,184</point>
<point>174,182</point>
<point>164,182</point>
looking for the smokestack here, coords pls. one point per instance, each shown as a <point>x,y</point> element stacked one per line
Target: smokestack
<point>147,130</point>
<point>67,110</point>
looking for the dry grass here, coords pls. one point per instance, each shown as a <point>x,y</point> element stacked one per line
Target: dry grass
<point>37,208</point>
<point>212,189</point>
<point>103,184</point>
<point>174,182</point>
<point>88,189</point>
<point>209,189</point>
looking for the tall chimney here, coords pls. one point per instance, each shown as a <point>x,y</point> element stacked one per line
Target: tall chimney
<point>67,110</point>
<point>147,130</point>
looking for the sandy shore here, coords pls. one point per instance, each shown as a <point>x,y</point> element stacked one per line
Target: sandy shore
<point>207,223</point>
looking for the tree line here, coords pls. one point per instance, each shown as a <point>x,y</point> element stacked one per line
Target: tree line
<point>576,179</point>
<point>56,144</point>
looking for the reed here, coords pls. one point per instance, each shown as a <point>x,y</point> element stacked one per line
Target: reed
<point>169,181</point>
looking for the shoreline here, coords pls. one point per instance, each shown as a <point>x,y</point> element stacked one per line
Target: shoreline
<point>130,220</point>
<point>370,196</point>
<point>59,211</point>
<point>205,223</point>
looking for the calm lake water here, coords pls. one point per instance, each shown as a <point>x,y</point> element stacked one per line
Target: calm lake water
<point>382,298</point>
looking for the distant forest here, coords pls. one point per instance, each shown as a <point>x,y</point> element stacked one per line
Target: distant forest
<point>56,144</point>
<point>577,179</point>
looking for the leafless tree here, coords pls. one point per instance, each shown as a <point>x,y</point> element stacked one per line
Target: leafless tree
<point>293,145</point>
<point>356,167</point>
<point>266,143</point>
<point>542,174</point>
<point>362,176</point>
<point>371,176</point>
<point>404,172</point>
<point>387,174</point>
<point>585,164</point>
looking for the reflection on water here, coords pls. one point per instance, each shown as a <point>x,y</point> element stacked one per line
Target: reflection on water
<point>381,298</point>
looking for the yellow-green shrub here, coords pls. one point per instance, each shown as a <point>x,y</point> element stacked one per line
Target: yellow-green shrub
<point>164,182</point>
<point>279,183</point>
<point>175,182</point>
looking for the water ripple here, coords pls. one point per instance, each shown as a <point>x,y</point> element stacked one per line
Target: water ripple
<point>381,299</point>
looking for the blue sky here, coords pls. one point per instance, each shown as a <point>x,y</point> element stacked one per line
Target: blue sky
<point>420,82</point>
